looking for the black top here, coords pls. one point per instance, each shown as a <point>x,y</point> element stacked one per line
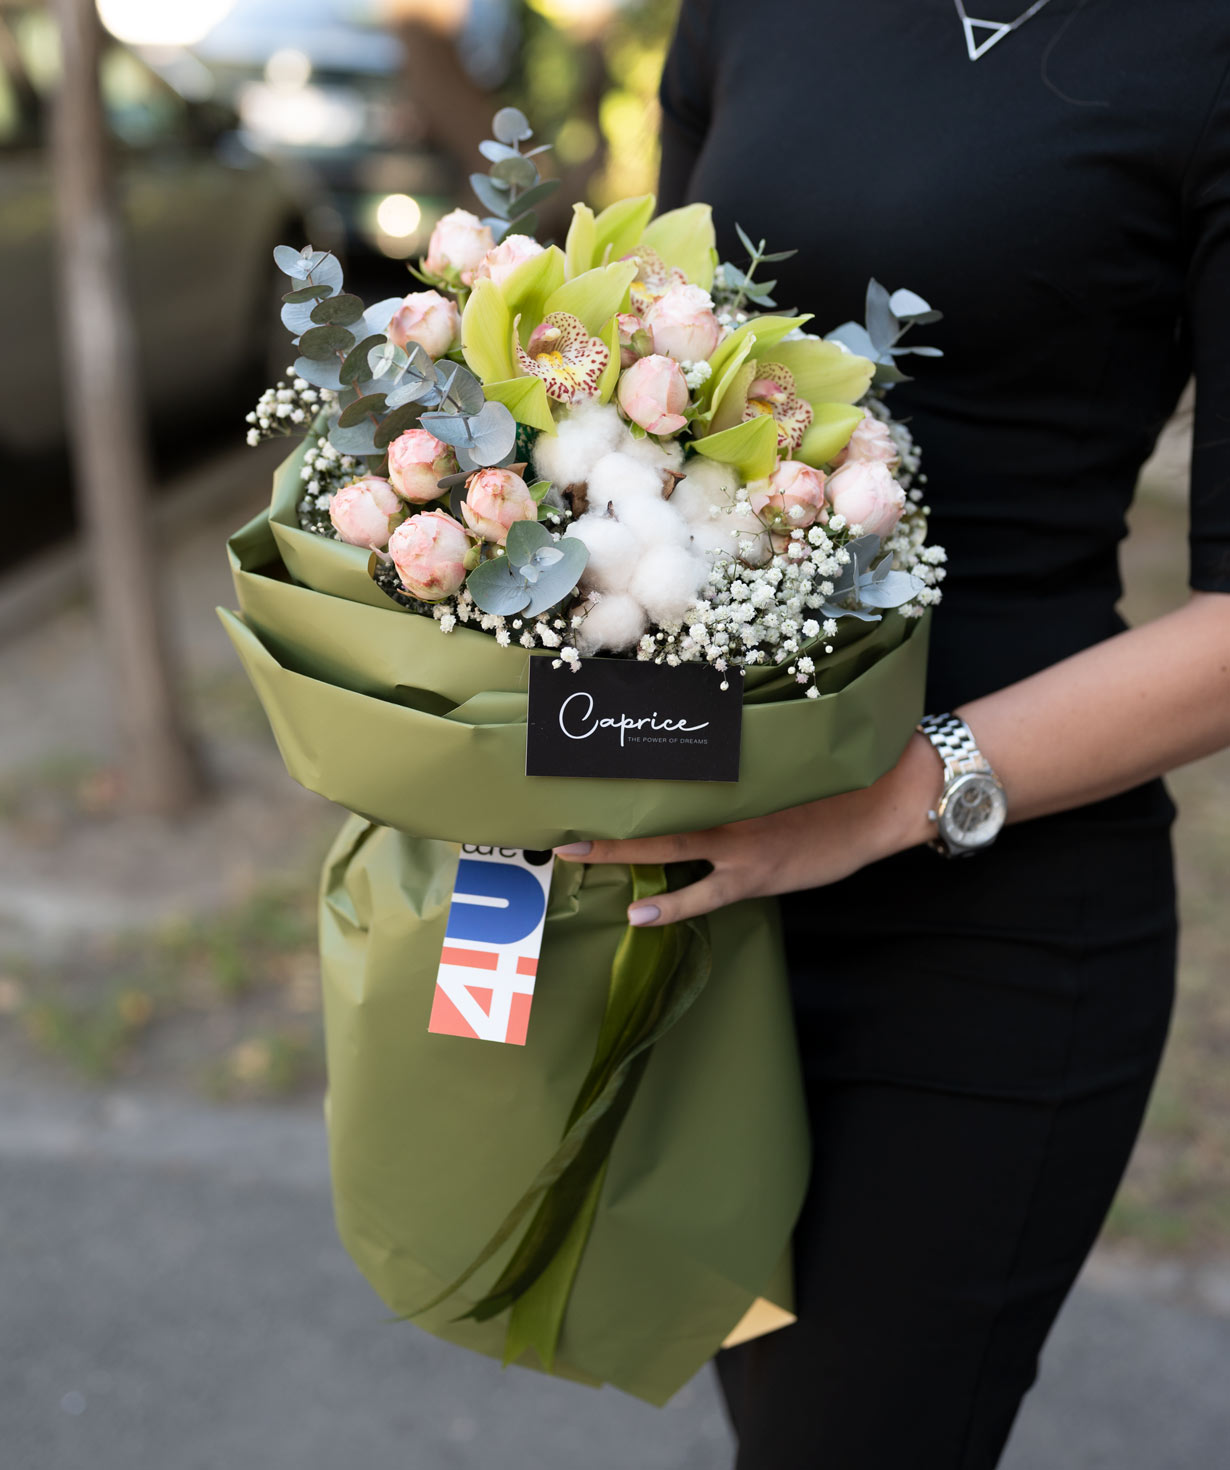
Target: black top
<point>1065,201</point>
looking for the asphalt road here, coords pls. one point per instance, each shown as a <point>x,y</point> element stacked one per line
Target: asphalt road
<point>173,1298</point>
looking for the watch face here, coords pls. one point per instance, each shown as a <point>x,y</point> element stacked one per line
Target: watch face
<point>973,812</point>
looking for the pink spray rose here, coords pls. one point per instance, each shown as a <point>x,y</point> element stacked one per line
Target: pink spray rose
<point>494,500</point>
<point>429,319</point>
<point>683,324</point>
<point>792,497</point>
<point>500,262</point>
<point>417,460</point>
<point>429,552</point>
<point>871,443</point>
<point>457,245</point>
<point>365,512</point>
<point>867,495</point>
<point>653,393</point>
<point>632,338</point>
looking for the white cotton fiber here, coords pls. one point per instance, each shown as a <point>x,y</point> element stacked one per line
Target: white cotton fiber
<point>667,579</point>
<point>652,521</point>
<point>616,477</point>
<point>614,552</point>
<point>664,454</point>
<point>613,624</point>
<point>582,436</point>
<point>706,485</point>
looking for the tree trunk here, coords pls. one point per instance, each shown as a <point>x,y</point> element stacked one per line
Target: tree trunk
<point>107,431</point>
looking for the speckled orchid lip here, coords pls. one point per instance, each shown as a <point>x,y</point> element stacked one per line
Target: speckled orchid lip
<point>653,278</point>
<point>562,353</point>
<point>772,394</point>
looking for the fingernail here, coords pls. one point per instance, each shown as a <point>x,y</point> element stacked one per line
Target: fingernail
<point>644,913</point>
<point>575,849</point>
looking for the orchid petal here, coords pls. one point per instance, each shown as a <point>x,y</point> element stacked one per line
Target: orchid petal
<point>579,247</point>
<point>609,380</point>
<point>526,399</point>
<point>486,334</point>
<point>684,238</point>
<point>830,431</point>
<point>762,332</point>
<point>594,296</point>
<point>527,286</point>
<point>825,372</point>
<point>750,447</point>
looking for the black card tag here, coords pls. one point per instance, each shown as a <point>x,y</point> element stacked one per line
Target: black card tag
<point>642,721</point>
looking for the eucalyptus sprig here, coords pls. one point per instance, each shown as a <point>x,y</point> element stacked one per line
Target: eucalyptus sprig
<point>890,315</point>
<point>535,573</point>
<point>511,189</point>
<point>746,287</point>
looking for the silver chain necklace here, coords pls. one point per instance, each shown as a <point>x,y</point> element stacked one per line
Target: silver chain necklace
<point>996,29</point>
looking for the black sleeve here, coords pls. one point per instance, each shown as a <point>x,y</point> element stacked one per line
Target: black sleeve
<point>1207,209</point>
<point>684,98</point>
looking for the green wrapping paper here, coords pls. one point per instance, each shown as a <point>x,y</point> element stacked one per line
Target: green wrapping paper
<point>434,1138</point>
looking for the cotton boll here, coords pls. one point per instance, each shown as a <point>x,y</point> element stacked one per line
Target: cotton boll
<point>652,522</point>
<point>582,436</point>
<point>617,477</point>
<point>613,624</point>
<point>658,454</point>
<point>614,552</point>
<point>667,580</point>
<point>706,486</point>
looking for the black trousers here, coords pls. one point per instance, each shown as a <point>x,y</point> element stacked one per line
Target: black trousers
<point>979,1038</point>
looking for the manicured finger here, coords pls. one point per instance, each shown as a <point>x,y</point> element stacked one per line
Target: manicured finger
<point>634,850</point>
<point>712,892</point>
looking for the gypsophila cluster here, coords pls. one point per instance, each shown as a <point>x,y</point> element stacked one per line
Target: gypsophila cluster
<point>287,408</point>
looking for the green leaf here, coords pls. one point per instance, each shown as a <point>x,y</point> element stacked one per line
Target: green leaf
<point>515,172</point>
<point>539,490</point>
<point>751,447</point>
<point>361,410</point>
<point>510,125</point>
<point>526,398</point>
<point>486,333</point>
<point>323,342</point>
<point>355,367</point>
<point>342,311</point>
<point>397,423</point>
<point>491,195</point>
<point>829,432</point>
<point>594,296</point>
<point>684,238</point>
<point>306,293</point>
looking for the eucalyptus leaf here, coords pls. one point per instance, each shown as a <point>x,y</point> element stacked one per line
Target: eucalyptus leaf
<point>355,368</point>
<point>459,387</point>
<point>907,305</point>
<point>854,337</point>
<point>361,410</point>
<point>290,262</point>
<point>882,326</point>
<point>387,359</point>
<point>377,317</point>
<point>358,440</point>
<point>890,590</point>
<point>467,461</point>
<point>510,125</point>
<point>539,194</point>
<point>497,588</point>
<point>495,151</point>
<point>744,240</point>
<point>516,172</point>
<point>523,224</point>
<point>317,267</point>
<point>918,351</point>
<point>835,610</point>
<point>524,539</point>
<point>493,433</point>
<point>321,374</point>
<point>778,255</point>
<point>342,311</point>
<point>449,428</point>
<point>414,391</point>
<point>306,293</point>
<point>397,423</point>
<point>326,342</point>
<point>297,317</point>
<point>491,195</point>
<point>558,579</point>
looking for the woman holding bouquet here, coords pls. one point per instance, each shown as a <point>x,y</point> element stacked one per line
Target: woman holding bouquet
<point>980,1035</point>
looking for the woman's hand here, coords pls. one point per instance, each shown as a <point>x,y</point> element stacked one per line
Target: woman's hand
<point>802,847</point>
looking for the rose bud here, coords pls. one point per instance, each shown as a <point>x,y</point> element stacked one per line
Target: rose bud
<point>683,325</point>
<point>429,552</point>
<point>365,512</point>
<point>792,498</point>
<point>429,319</point>
<point>417,461</point>
<point>653,393</point>
<point>871,443</point>
<point>634,341</point>
<point>499,263</point>
<point>867,495</point>
<point>494,500</point>
<point>457,244</point>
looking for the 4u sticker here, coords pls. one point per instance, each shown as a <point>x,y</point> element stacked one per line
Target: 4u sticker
<point>489,961</point>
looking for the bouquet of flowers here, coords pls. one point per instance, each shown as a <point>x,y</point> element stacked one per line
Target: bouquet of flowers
<point>616,451</point>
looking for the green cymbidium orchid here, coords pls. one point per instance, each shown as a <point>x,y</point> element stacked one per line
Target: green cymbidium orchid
<point>806,389</point>
<point>682,238</point>
<point>500,320</point>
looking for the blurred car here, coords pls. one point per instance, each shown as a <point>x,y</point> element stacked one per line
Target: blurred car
<point>328,94</point>
<point>203,214</point>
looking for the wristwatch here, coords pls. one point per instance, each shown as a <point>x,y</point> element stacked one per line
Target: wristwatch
<point>972,807</point>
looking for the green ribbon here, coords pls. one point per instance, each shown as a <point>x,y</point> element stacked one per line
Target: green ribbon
<point>656,975</point>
